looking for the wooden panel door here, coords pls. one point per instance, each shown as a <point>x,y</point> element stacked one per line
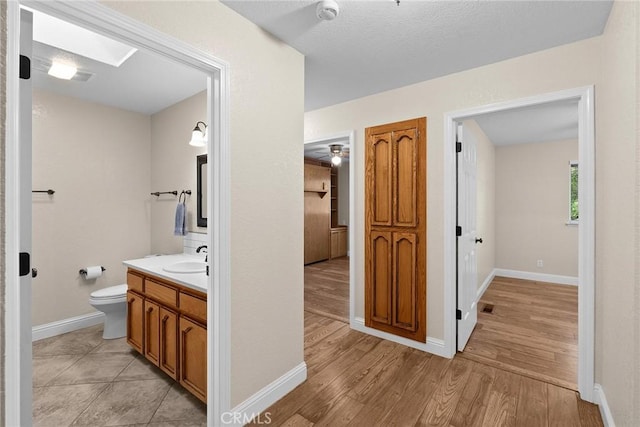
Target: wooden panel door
<point>193,358</point>
<point>135,321</point>
<point>169,342</point>
<point>395,228</point>
<point>152,331</point>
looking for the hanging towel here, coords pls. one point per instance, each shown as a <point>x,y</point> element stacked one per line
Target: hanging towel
<point>180,228</point>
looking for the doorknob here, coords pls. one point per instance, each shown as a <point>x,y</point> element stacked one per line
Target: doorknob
<point>479,240</point>
<point>34,272</point>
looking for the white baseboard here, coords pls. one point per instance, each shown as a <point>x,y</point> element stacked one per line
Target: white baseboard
<point>605,411</point>
<point>538,277</point>
<point>66,325</point>
<point>486,284</point>
<point>256,404</point>
<point>433,345</point>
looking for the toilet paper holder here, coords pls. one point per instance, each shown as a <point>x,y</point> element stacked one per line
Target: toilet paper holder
<point>83,271</point>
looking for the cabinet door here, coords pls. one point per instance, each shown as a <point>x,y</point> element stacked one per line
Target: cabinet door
<point>193,358</point>
<point>152,331</point>
<point>169,342</point>
<point>395,228</point>
<point>135,321</point>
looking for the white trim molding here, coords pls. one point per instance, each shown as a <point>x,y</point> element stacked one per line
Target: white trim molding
<point>485,284</point>
<point>586,239</point>
<point>351,253</point>
<point>267,396</point>
<point>605,411</point>
<point>538,277</point>
<point>433,345</point>
<point>63,326</point>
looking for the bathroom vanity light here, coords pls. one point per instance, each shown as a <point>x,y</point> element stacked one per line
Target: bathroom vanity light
<point>199,135</point>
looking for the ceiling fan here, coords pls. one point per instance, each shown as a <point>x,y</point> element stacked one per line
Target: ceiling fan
<point>337,152</point>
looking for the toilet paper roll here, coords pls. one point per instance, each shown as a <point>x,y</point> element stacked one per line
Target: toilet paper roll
<point>93,272</point>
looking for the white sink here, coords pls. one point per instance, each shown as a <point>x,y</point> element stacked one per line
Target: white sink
<point>186,267</point>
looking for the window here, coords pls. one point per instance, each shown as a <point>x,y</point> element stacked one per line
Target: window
<point>574,213</point>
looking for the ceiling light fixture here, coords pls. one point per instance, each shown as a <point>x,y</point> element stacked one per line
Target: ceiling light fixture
<point>62,71</point>
<point>199,135</point>
<point>336,154</point>
<point>327,10</point>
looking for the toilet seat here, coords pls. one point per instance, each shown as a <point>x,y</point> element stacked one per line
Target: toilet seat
<point>109,295</point>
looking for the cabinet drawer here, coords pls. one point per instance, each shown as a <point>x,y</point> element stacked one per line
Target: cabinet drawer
<point>161,293</point>
<point>193,307</point>
<point>134,282</point>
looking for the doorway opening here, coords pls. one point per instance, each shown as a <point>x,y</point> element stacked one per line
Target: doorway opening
<point>464,295</point>
<point>105,21</point>
<point>328,209</point>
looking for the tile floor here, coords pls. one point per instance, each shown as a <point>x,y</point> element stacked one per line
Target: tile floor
<point>79,379</point>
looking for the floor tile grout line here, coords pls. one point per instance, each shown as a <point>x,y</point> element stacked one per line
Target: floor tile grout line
<point>160,404</point>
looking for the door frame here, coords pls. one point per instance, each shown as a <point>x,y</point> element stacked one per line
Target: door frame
<point>350,136</point>
<point>113,24</point>
<point>586,240</point>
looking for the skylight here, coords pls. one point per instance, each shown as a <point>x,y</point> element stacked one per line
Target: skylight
<point>72,38</point>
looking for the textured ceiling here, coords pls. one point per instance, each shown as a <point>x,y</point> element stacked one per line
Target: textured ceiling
<point>554,121</point>
<point>375,45</point>
<point>144,83</point>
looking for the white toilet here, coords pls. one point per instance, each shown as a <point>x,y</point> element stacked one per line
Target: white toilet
<point>112,301</point>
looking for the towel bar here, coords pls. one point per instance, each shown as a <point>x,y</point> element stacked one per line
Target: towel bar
<point>174,192</point>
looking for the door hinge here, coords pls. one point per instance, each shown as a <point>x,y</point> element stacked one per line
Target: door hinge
<point>458,231</point>
<point>458,147</point>
<point>25,264</point>
<point>459,314</point>
<point>25,67</point>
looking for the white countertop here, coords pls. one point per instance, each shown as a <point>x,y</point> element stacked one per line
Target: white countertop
<point>153,265</point>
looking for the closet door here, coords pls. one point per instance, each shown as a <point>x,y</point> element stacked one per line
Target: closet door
<point>395,228</point>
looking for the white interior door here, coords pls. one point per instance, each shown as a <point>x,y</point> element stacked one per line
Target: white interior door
<point>467,255</point>
<point>25,101</point>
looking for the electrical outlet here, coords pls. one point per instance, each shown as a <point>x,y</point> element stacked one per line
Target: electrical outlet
<point>540,263</point>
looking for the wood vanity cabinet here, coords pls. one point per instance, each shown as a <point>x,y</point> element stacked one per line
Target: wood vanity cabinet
<point>166,322</point>
<point>193,355</point>
<point>135,320</point>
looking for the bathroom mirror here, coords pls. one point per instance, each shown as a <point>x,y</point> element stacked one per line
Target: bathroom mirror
<point>201,168</point>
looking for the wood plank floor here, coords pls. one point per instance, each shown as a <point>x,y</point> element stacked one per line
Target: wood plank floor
<point>326,288</point>
<point>359,380</point>
<point>532,331</point>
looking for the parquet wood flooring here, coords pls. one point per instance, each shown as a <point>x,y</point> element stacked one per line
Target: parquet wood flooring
<point>326,288</point>
<point>358,380</point>
<point>532,330</point>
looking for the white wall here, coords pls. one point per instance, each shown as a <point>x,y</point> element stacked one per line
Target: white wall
<point>608,62</point>
<point>96,158</point>
<point>532,194</point>
<point>173,167</point>
<point>618,214</point>
<point>267,118</point>
<point>485,199</point>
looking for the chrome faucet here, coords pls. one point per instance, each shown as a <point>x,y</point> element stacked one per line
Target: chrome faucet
<point>206,257</point>
<point>200,249</point>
